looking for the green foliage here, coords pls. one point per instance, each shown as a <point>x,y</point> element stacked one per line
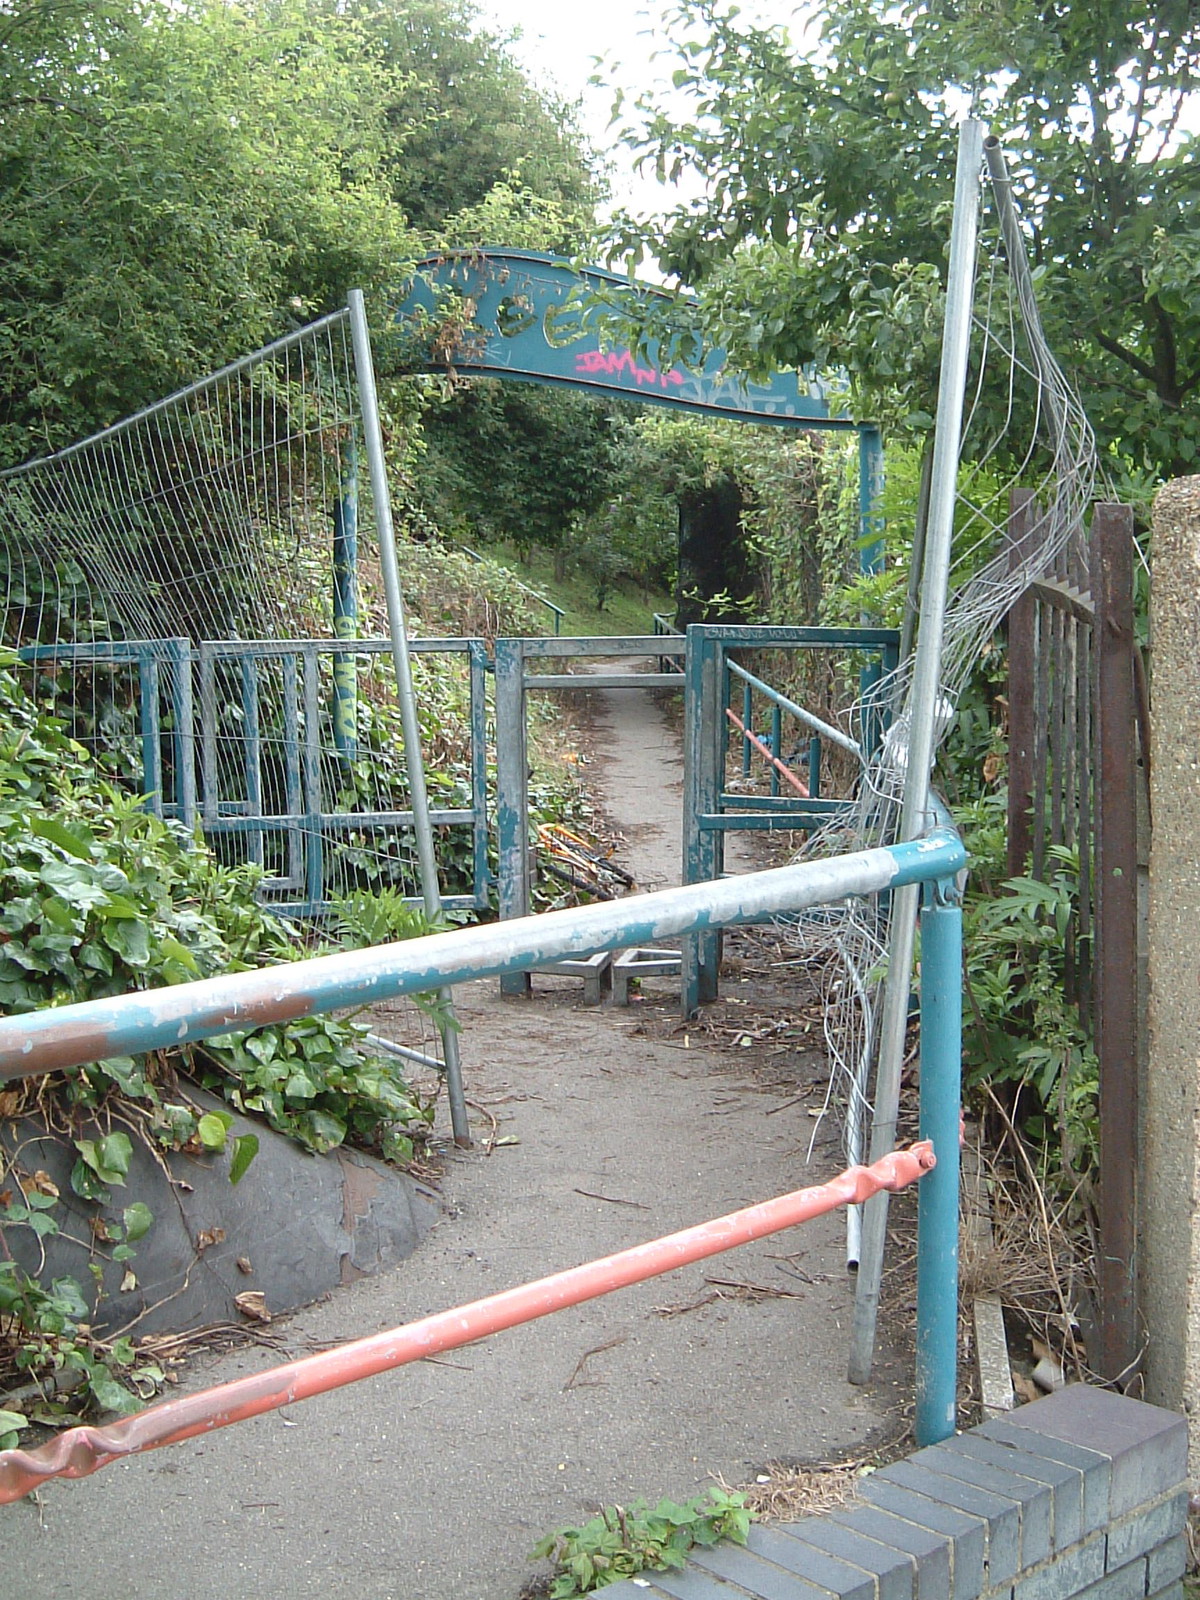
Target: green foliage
<point>828,171</point>
<point>466,124</point>
<point>625,1540</point>
<point>179,180</point>
<point>99,898</point>
<point>1022,1031</point>
<point>514,461</point>
<point>45,1328</point>
<point>184,181</point>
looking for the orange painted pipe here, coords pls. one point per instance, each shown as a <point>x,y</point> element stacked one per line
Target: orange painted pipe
<point>81,1451</point>
<point>781,766</point>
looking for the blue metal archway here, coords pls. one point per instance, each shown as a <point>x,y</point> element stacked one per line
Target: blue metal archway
<point>519,315</point>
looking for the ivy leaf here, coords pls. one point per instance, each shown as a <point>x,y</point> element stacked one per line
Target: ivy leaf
<point>11,1423</point>
<point>79,843</point>
<point>245,1148</point>
<point>213,1128</point>
<point>138,1219</point>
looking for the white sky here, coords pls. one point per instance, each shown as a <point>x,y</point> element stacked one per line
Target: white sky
<point>560,41</point>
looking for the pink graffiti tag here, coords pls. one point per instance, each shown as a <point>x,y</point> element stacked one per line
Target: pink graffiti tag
<point>620,364</point>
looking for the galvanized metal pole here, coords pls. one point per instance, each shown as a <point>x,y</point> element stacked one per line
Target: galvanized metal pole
<point>937,1208</point>
<point>430,889</point>
<point>345,602</point>
<point>922,713</point>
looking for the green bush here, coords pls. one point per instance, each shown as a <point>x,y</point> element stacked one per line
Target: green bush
<point>98,897</point>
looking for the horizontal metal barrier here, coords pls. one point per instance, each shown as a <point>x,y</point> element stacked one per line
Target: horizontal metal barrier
<point>131,1024</point>
<point>151,1019</point>
<point>81,1451</point>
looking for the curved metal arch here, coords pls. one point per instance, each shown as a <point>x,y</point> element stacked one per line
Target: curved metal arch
<point>526,320</point>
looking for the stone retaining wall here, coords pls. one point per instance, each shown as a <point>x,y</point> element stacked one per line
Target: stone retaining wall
<point>1079,1495</point>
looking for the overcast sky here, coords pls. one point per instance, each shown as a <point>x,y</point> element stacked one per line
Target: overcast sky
<point>560,41</point>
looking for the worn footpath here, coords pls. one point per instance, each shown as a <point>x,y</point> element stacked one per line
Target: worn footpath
<point>434,1482</point>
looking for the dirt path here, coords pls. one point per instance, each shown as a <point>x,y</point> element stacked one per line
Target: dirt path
<point>433,1483</point>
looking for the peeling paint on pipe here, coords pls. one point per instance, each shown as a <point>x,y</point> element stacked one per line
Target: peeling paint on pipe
<point>154,1019</point>
<point>81,1451</point>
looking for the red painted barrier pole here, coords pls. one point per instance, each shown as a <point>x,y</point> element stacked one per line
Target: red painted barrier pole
<point>81,1451</point>
<point>781,767</point>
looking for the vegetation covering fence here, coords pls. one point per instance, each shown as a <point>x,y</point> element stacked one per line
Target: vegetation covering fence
<point>1077,725</point>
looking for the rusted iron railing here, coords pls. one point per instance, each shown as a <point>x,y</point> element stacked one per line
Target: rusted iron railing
<point>1078,715</point>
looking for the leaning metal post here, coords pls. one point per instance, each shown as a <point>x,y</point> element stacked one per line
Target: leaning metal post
<point>937,1209</point>
<point>430,890</point>
<point>922,709</point>
<point>345,601</point>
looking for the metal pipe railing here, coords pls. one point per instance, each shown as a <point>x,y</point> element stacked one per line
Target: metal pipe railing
<point>809,718</point>
<point>779,768</point>
<point>81,1451</point>
<point>152,1019</point>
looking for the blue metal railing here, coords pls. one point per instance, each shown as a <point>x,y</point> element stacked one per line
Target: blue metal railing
<point>710,809</point>
<point>132,1024</point>
<point>241,738</point>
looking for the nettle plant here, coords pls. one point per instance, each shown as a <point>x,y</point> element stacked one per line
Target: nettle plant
<point>625,1540</point>
<point>98,897</point>
<point>1024,1034</point>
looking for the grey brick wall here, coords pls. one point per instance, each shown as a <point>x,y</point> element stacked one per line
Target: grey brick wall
<point>1078,1497</point>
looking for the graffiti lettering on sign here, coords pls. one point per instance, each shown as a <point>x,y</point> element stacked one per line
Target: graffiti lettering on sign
<point>620,364</point>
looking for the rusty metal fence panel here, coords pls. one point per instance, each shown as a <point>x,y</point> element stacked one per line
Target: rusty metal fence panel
<point>1076,699</point>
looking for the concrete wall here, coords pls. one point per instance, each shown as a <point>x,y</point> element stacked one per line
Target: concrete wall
<point>1170,1190</point>
<point>1079,1495</point>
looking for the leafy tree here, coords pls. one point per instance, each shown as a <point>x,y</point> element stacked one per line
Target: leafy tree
<point>464,118</point>
<point>515,461</point>
<point>182,180</point>
<point>176,181</point>
<point>829,165</point>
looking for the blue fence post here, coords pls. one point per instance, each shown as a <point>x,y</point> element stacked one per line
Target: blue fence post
<point>937,1197</point>
<point>703,769</point>
<point>512,793</point>
<point>481,873</point>
<point>345,603</point>
<point>748,724</point>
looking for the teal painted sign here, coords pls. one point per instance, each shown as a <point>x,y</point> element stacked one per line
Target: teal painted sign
<point>538,319</point>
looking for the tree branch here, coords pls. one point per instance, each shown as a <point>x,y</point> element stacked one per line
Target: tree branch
<point>1115,348</point>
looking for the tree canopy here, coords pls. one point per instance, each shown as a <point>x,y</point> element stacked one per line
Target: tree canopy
<point>829,164</point>
<point>181,180</point>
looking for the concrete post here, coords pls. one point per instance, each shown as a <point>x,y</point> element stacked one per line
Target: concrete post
<point>1170,1287</point>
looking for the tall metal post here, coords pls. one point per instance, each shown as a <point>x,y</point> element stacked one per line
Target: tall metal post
<point>922,712</point>
<point>430,889</point>
<point>345,601</point>
<point>937,1201</point>
<point>512,794</point>
<point>703,768</point>
<point>870,559</point>
<point>1115,973</point>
